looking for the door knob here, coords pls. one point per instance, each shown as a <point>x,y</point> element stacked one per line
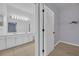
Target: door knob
<point>53,32</point>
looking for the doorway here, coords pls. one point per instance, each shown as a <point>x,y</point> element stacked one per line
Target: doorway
<point>18,34</point>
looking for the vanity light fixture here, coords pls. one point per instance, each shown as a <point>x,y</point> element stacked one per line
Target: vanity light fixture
<point>19,17</point>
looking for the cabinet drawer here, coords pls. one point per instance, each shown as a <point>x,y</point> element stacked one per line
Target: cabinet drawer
<point>2,37</point>
<point>10,41</point>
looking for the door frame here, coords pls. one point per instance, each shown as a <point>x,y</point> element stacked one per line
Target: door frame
<point>39,41</point>
<point>41,29</point>
<point>37,28</point>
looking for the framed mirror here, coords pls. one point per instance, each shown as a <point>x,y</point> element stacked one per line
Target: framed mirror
<point>12,27</point>
<point>1,20</point>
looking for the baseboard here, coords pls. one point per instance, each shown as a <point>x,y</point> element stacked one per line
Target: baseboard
<point>66,43</point>
<point>56,43</point>
<point>69,43</point>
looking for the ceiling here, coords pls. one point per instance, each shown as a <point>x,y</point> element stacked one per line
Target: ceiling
<point>27,7</point>
<point>62,6</point>
<point>66,5</point>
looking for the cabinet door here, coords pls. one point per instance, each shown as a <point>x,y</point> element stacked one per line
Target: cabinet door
<point>25,39</point>
<point>2,43</point>
<point>10,41</point>
<point>19,39</point>
<point>30,37</point>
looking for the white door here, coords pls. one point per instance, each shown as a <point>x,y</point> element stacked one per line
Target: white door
<point>49,29</point>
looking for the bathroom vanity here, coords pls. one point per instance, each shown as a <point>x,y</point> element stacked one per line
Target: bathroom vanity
<point>14,39</point>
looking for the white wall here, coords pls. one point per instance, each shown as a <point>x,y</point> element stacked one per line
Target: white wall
<point>22,26</point>
<point>3,12</point>
<point>27,10</point>
<point>69,32</point>
<point>64,14</point>
<point>7,10</point>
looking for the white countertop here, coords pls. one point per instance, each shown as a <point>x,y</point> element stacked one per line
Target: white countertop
<point>11,34</point>
<point>15,33</point>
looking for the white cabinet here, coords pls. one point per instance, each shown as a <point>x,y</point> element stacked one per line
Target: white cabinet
<point>30,37</point>
<point>19,39</point>
<point>2,43</point>
<point>25,39</point>
<point>10,41</point>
